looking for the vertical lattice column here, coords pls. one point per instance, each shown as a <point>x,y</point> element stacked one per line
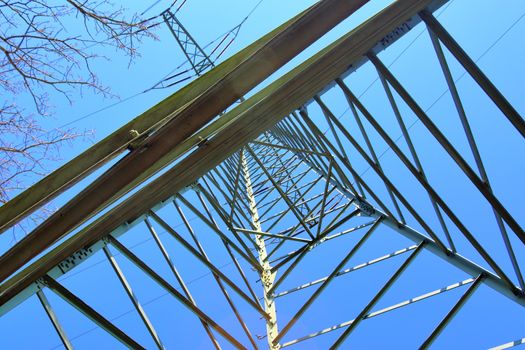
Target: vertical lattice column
<point>267,276</point>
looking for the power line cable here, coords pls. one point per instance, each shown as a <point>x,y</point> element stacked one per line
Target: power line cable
<point>167,76</point>
<point>234,32</point>
<point>151,6</point>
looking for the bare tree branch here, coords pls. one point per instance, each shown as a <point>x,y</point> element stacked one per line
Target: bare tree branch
<point>44,49</point>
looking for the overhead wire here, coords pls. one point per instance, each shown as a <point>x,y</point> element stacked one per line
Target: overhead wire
<point>74,121</point>
<point>169,75</point>
<point>151,6</point>
<point>233,32</point>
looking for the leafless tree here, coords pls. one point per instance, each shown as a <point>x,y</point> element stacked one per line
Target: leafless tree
<point>46,47</point>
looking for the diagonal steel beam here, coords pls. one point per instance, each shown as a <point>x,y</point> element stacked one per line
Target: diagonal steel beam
<point>216,277</point>
<point>475,72</point>
<point>54,320</point>
<point>170,289</point>
<point>133,298</point>
<point>179,279</point>
<point>327,281</point>
<point>206,262</point>
<point>378,296</point>
<point>466,233</point>
<point>449,148</point>
<point>450,315</point>
<point>474,148</point>
<point>219,94</point>
<point>93,315</point>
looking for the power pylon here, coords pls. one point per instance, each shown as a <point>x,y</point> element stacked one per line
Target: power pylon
<point>199,60</point>
<point>266,231</point>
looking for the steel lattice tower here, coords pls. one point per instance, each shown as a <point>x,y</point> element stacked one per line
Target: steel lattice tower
<point>270,204</point>
<point>199,60</point>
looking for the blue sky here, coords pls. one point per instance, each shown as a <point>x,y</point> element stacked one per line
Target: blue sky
<point>488,319</point>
